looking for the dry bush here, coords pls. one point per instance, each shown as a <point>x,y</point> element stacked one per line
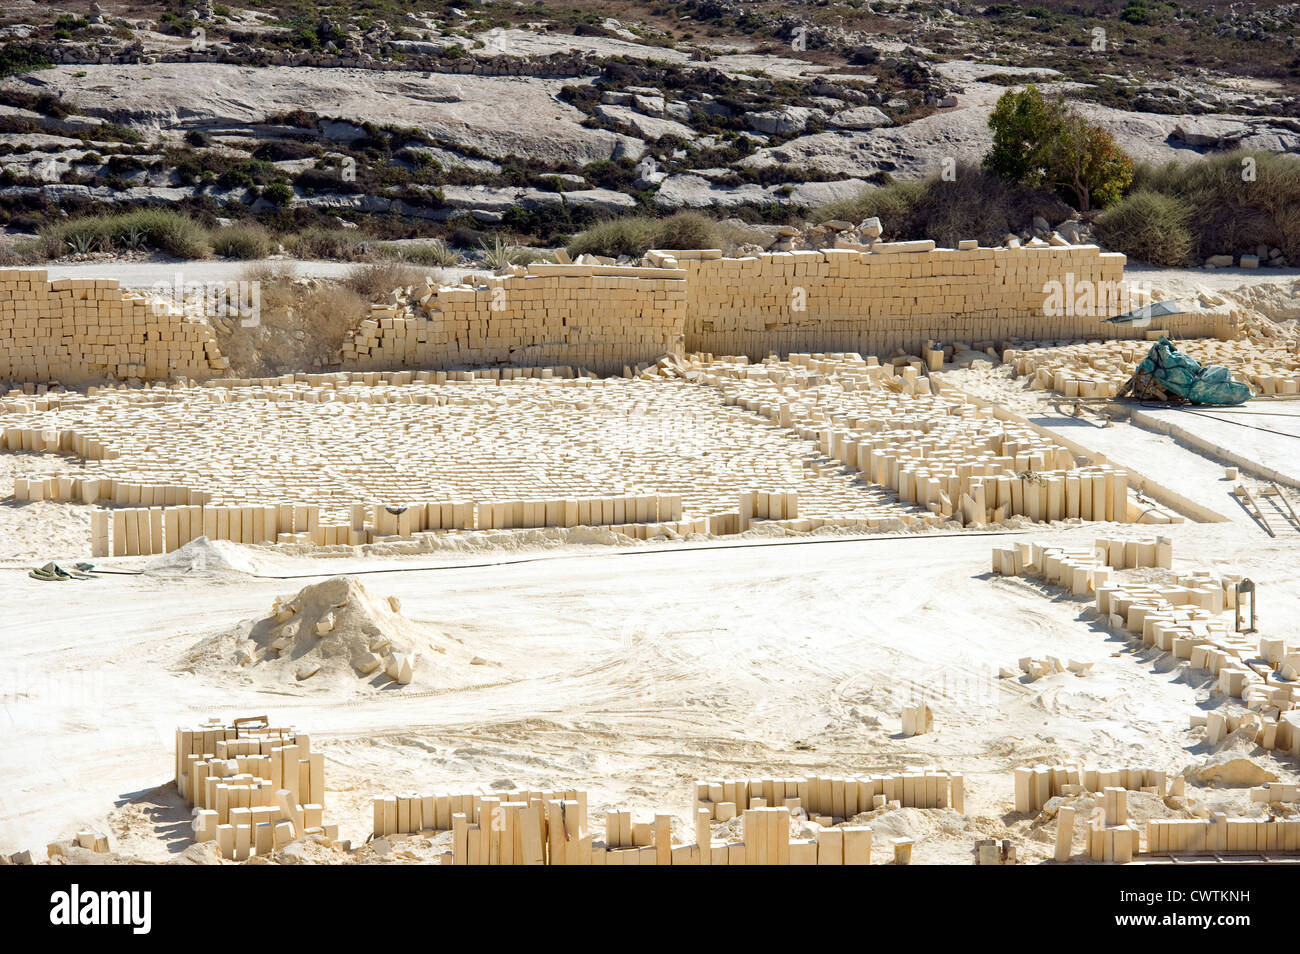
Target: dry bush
<point>634,235</point>
<point>376,281</point>
<point>329,313</point>
<point>243,241</point>
<point>1233,212</point>
<point>975,205</point>
<point>1148,226</point>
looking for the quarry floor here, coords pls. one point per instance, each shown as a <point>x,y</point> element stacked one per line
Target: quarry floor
<point>630,673</point>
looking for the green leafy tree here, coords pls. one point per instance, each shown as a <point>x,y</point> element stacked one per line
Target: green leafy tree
<point>1041,142</point>
<point>1024,125</point>
<point>1085,161</point>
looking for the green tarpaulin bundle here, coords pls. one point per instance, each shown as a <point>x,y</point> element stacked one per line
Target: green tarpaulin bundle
<point>1184,377</point>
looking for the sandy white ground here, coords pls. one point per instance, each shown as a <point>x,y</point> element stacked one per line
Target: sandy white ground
<point>630,674</point>
<point>632,671</point>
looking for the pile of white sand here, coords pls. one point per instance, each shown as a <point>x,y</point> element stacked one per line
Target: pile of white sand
<point>204,557</point>
<point>336,633</point>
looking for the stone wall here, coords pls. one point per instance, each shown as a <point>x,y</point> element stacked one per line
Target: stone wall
<point>901,295</point>
<point>81,331</point>
<point>600,318</point>
<point>607,318</point>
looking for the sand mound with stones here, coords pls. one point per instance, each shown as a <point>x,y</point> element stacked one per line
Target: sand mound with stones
<point>337,633</point>
<point>1231,763</point>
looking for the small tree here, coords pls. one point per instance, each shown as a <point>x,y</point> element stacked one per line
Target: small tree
<point>1024,126</point>
<point>1086,161</point>
<point>1042,142</point>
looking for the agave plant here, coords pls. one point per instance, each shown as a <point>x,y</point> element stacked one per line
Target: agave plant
<point>133,240</point>
<point>499,254</point>
<point>82,243</point>
<point>440,253</point>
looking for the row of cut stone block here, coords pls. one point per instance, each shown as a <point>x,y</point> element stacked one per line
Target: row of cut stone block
<point>1081,570</point>
<point>550,827</point>
<point>152,530</point>
<point>1185,621</point>
<point>1035,785</point>
<point>81,332</point>
<point>953,458</point>
<point>1221,834</point>
<point>177,432</point>
<point>602,317</point>
<point>1098,369</point>
<point>832,798</point>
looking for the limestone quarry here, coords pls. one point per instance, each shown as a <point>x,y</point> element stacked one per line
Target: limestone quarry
<point>832,546</point>
<point>529,573</point>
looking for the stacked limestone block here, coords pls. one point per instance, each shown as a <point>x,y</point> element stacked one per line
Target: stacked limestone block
<point>830,800</point>
<point>1035,785</point>
<point>254,787</point>
<point>1273,792</point>
<point>597,317</point>
<point>1099,369</point>
<point>1190,620</point>
<point>956,460</point>
<point>76,331</point>
<point>1110,835</point>
<point>898,295</point>
<point>529,827</point>
<point>1192,617</point>
<point>1220,834</point>
<point>491,452</point>
<point>1082,570</point>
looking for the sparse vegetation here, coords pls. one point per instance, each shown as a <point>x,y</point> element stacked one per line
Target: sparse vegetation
<point>433,252</point>
<point>378,280</point>
<point>159,230</point>
<point>1039,143</point>
<point>976,205</point>
<point>1148,226</point>
<point>635,234</point>
<point>323,242</point>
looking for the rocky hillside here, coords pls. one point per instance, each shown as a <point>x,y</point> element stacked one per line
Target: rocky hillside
<point>539,119</point>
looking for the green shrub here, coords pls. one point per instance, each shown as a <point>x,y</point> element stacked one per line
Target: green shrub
<point>243,242</point>
<point>976,204</point>
<point>1148,226</point>
<point>160,230</point>
<point>635,234</point>
<point>16,58</point>
<point>278,193</point>
<point>1235,213</point>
